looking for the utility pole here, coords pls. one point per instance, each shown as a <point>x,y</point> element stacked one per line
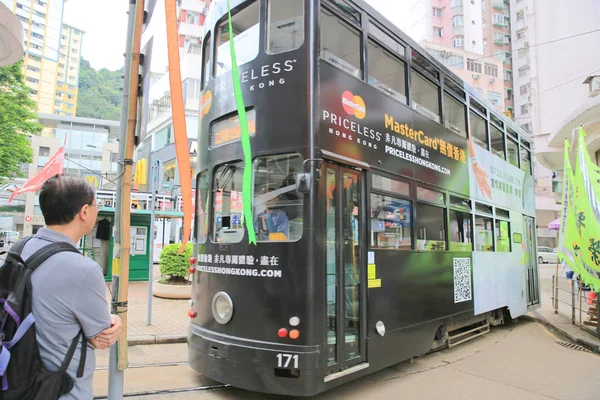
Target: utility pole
<point>118,354</point>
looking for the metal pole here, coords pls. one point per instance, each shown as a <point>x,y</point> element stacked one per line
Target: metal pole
<point>120,265</point>
<point>573,304</point>
<point>153,190</point>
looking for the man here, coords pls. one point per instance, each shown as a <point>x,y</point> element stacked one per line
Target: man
<point>69,292</point>
<point>272,221</point>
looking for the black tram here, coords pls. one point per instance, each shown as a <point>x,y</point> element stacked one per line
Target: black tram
<point>379,238</point>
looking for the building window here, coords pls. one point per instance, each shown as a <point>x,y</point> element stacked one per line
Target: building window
<point>438,32</point>
<point>44,151</point>
<point>473,66</point>
<point>456,3</point>
<point>527,127</point>
<point>508,94</point>
<point>507,75</point>
<point>32,80</point>
<point>285,25</point>
<point>498,19</point>
<point>520,15</point>
<point>525,109</point>
<point>437,12</point>
<point>523,52</point>
<point>491,70</point>
<point>457,21</point>
<point>499,55</point>
<point>458,41</point>
<point>524,71</point>
<point>494,97</point>
<point>520,34</point>
<point>340,43</point>
<point>524,90</point>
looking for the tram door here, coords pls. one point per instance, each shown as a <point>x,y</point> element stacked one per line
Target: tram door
<point>344,207</point>
<point>531,261</point>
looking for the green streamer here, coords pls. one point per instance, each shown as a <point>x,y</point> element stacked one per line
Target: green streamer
<point>239,101</point>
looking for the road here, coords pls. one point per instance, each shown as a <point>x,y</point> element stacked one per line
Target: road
<point>516,361</point>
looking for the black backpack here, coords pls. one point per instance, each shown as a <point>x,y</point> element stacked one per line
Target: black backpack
<point>22,373</point>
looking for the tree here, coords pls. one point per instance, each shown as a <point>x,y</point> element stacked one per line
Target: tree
<point>18,120</point>
<point>99,92</point>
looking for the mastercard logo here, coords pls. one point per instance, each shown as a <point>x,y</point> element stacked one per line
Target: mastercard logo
<point>206,103</point>
<point>354,105</point>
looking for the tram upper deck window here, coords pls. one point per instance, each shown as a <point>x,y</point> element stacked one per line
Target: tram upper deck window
<point>479,131</point>
<point>246,33</point>
<point>278,207</point>
<point>206,59</point>
<point>202,207</point>
<point>460,231</point>
<point>425,96</point>
<point>525,160</point>
<point>386,71</point>
<point>285,25</point>
<point>484,239</point>
<point>503,236</point>
<point>390,222</point>
<point>512,150</point>
<point>340,43</point>
<point>455,115</point>
<point>228,212</point>
<point>497,139</point>
<point>431,232</point>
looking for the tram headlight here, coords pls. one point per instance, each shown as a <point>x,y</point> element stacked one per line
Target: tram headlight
<point>222,308</point>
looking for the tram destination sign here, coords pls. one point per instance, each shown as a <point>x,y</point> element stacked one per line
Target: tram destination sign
<point>360,122</point>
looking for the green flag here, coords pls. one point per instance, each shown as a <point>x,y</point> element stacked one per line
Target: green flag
<point>567,235</point>
<point>587,217</point>
<point>239,101</point>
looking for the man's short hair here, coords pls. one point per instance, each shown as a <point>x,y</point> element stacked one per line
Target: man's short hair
<point>62,197</point>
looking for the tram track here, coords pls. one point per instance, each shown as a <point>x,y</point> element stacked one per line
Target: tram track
<point>148,393</point>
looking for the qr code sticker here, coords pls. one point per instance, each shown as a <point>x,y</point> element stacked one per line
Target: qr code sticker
<point>462,279</point>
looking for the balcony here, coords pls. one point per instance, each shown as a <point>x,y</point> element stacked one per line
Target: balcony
<point>498,4</point>
<point>457,10</point>
<point>458,30</point>
<point>500,41</point>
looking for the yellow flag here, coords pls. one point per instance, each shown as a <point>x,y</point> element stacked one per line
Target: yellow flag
<point>567,235</point>
<point>587,217</point>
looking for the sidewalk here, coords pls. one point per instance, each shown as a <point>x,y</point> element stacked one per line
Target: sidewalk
<point>561,321</point>
<point>169,317</point>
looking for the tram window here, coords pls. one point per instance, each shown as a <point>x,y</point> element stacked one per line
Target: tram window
<point>202,207</point>
<point>431,233</point>
<point>387,40</point>
<point>285,25</point>
<point>460,231</point>
<point>503,236</point>
<point>525,160</point>
<point>512,150</point>
<point>454,115</point>
<point>484,236</point>
<point>425,96</point>
<point>431,196</point>
<point>391,185</point>
<point>206,59</point>
<point>347,10</point>
<point>246,33</point>
<point>390,223</point>
<point>502,213</point>
<point>482,208</point>
<point>460,202</point>
<point>497,137</point>
<point>386,72</point>
<point>340,44</point>
<point>512,133</point>
<point>277,205</point>
<point>478,131</point>
<point>228,213</point>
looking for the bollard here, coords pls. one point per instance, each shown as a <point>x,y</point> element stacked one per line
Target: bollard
<point>573,304</point>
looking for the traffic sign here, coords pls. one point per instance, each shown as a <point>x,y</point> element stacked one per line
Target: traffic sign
<point>28,218</point>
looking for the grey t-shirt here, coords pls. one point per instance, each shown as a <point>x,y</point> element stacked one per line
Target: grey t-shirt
<point>69,294</point>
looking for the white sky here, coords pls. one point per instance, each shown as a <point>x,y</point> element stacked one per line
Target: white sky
<point>105,25</point>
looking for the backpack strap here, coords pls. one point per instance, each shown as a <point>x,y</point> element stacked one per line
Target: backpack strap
<point>47,251</point>
<point>20,245</point>
<point>65,364</point>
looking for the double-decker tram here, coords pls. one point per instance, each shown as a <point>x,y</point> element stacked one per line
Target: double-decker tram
<point>393,207</point>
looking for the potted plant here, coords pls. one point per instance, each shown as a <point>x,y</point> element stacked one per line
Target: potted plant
<point>174,269</point>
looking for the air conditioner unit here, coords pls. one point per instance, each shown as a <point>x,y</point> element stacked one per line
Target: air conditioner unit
<point>475,76</point>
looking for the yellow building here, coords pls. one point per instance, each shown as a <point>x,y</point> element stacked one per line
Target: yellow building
<point>65,102</point>
<point>52,54</point>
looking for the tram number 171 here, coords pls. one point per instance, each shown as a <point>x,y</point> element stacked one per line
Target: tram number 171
<point>284,360</point>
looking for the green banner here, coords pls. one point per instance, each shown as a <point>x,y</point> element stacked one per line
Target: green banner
<point>587,219</point>
<point>239,101</point>
<point>567,235</point>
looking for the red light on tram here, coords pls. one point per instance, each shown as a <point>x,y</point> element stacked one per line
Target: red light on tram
<point>192,269</point>
<point>193,260</point>
<point>192,314</point>
<point>282,333</point>
<point>294,334</point>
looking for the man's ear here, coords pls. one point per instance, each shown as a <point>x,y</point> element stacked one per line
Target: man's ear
<point>84,213</point>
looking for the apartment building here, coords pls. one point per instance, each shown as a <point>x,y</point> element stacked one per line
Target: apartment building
<point>67,85</point>
<point>557,87</point>
<point>478,31</point>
